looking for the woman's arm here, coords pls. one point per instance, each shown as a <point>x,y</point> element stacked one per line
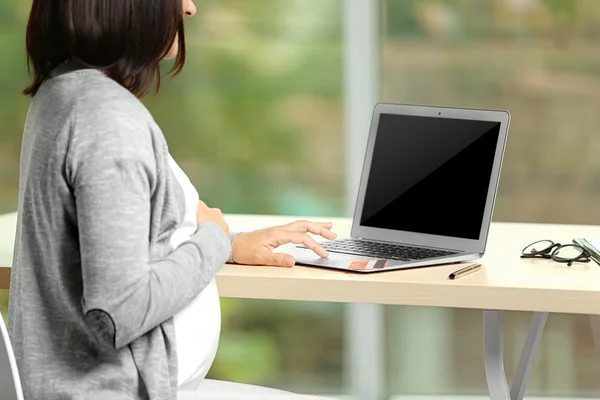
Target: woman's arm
<point>113,173</point>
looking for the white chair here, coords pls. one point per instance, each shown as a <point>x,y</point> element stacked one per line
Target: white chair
<point>10,383</point>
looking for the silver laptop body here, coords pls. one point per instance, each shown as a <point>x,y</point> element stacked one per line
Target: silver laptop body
<point>427,190</point>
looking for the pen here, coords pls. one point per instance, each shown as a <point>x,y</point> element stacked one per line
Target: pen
<point>465,271</point>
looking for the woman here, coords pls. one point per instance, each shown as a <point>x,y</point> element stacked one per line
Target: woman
<point>113,293</point>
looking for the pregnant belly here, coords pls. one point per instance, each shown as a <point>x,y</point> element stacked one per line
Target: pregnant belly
<point>197,331</point>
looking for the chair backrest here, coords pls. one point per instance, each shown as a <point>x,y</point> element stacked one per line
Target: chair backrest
<point>10,383</point>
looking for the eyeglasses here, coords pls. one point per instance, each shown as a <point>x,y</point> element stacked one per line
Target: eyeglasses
<point>563,253</point>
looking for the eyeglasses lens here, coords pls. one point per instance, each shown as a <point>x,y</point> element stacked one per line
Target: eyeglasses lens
<point>568,253</point>
<point>538,247</point>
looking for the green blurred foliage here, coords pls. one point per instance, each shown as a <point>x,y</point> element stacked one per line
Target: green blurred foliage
<point>301,344</point>
<point>233,119</point>
<point>248,121</point>
<point>246,70</point>
<point>238,350</point>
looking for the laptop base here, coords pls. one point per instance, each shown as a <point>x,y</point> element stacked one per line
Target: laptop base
<point>366,264</point>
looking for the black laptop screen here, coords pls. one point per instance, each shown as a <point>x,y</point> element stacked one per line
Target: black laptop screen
<point>430,175</point>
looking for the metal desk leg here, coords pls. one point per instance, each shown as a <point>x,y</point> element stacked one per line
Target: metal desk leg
<point>494,355</point>
<point>532,342</point>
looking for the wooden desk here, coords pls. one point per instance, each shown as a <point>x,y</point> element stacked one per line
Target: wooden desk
<point>7,239</point>
<point>506,282</point>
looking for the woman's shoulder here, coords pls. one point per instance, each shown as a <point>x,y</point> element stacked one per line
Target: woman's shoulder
<point>89,94</point>
<point>103,116</point>
<point>101,95</point>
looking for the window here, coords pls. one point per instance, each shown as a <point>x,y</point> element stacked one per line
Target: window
<point>540,60</point>
<point>257,121</point>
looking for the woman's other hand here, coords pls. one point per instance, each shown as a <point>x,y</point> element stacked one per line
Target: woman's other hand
<point>256,248</point>
<point>206,214</point>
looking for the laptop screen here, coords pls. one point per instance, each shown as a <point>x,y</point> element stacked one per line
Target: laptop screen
<point>430,175</point>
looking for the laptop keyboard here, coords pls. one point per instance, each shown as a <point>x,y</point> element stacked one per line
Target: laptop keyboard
<point>383,250</point>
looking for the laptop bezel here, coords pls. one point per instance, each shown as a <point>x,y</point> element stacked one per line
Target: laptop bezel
<point>420,239</point>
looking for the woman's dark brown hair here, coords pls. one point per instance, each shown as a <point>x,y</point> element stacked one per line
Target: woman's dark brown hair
<point>126,39</point>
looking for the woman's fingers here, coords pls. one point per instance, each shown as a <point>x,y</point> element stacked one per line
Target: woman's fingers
<point>316,228</point>
<point>282,260</point>
<point>296,232</point>
<point>301,223</point>
<point>285,236</point>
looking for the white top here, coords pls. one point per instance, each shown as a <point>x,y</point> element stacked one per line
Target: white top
<point>198,326</point>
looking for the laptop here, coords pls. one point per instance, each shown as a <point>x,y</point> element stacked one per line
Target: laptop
<point>427,190</point>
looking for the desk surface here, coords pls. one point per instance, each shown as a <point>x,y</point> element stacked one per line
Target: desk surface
<point>506,281</point>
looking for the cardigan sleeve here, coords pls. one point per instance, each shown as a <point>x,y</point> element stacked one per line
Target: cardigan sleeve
<point>112,169</point>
